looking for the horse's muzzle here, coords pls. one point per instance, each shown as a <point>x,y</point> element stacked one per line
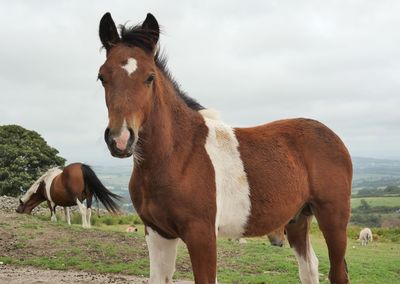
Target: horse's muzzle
<point>120,145</point>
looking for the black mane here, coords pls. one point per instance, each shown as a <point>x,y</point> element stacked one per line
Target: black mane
<point>139,37</point>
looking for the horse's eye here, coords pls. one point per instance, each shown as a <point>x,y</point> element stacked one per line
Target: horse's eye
<point>150,78</point>
<point>101,78</point>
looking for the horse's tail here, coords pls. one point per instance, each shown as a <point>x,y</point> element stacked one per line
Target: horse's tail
<point>100,192</point>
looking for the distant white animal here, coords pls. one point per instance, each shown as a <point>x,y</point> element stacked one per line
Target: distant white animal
<point>365,236</point>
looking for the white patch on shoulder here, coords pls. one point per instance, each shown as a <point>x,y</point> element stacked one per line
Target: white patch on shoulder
<point>162,254</point>
<point>233,191</point>
<point>34,187</point>
<point>130,66</point>
<point>83,210</point>
<point>48,179</point>
<point>210,113</point>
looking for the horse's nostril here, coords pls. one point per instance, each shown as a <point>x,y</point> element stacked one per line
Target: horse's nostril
<point>107,136</point>
<point>131,136</point>
<point>120,143</point>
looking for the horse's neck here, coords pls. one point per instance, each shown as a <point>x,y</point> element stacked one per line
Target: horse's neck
<point>39,197</point>
<point>168,130</point>
<point>42,192</point>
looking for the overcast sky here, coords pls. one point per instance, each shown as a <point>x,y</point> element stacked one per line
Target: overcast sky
<point>255,62</point>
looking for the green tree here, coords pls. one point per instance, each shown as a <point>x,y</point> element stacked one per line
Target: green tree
<point>24,156</point>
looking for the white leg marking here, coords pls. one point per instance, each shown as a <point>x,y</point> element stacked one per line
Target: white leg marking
<point>67,215</point>
<point>233,191</point>
<point>88,216</point>
<point>82,209</point>
<point>162,254</point>
<point>130,66</point>
<point>53,215</point>
<point>308,265</point>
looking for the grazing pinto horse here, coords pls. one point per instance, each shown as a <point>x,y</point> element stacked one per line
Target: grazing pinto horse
<point>195,175</point>
<point>276,238</point>
<point>68,187</point>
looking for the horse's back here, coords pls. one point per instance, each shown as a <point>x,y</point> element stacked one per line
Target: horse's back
<point>306,144</point>
<point>68,186</point>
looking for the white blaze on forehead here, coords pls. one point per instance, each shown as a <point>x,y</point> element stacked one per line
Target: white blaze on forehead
<point>232,187</point>
<point>130,66</point>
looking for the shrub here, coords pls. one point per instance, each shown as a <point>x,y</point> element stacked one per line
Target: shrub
<point>109,220</point>
<point>364,219</point>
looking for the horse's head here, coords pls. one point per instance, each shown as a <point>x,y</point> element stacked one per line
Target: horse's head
<point>30,200</point>
<point>129,77</point>
<point>277,237</point>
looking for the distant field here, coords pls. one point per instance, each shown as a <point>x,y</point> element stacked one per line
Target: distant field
<point>28,240</point>
<point>377,201</point>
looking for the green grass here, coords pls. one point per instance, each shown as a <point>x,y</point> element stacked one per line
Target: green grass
<point>107,248</point>
<point>377,201</point>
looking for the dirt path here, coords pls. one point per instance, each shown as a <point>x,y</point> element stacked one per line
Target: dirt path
<point>33,275</point>
<point>25,240</point>
<point>27,274</point>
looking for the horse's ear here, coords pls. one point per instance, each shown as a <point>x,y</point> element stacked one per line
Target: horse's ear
<point>108,32</point>
<point>151,26</point>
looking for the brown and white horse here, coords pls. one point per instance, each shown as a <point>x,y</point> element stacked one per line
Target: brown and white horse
<point>68,187</point>
<point>195,175</point>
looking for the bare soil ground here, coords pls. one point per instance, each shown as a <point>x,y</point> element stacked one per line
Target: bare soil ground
<point>33,275</point>
<point>25,240</point>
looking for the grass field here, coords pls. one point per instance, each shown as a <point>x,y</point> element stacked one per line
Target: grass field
<point>29,240</point>
<point>391,201</point>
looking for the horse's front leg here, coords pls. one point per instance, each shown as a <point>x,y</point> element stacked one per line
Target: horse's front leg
<point>201,242</point>
<point>162,253</point>
<point>67,215</point>
<point>52,208</point>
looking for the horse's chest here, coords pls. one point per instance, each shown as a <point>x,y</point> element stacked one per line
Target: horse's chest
<point>232,187</point>
<point>154,212</point>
